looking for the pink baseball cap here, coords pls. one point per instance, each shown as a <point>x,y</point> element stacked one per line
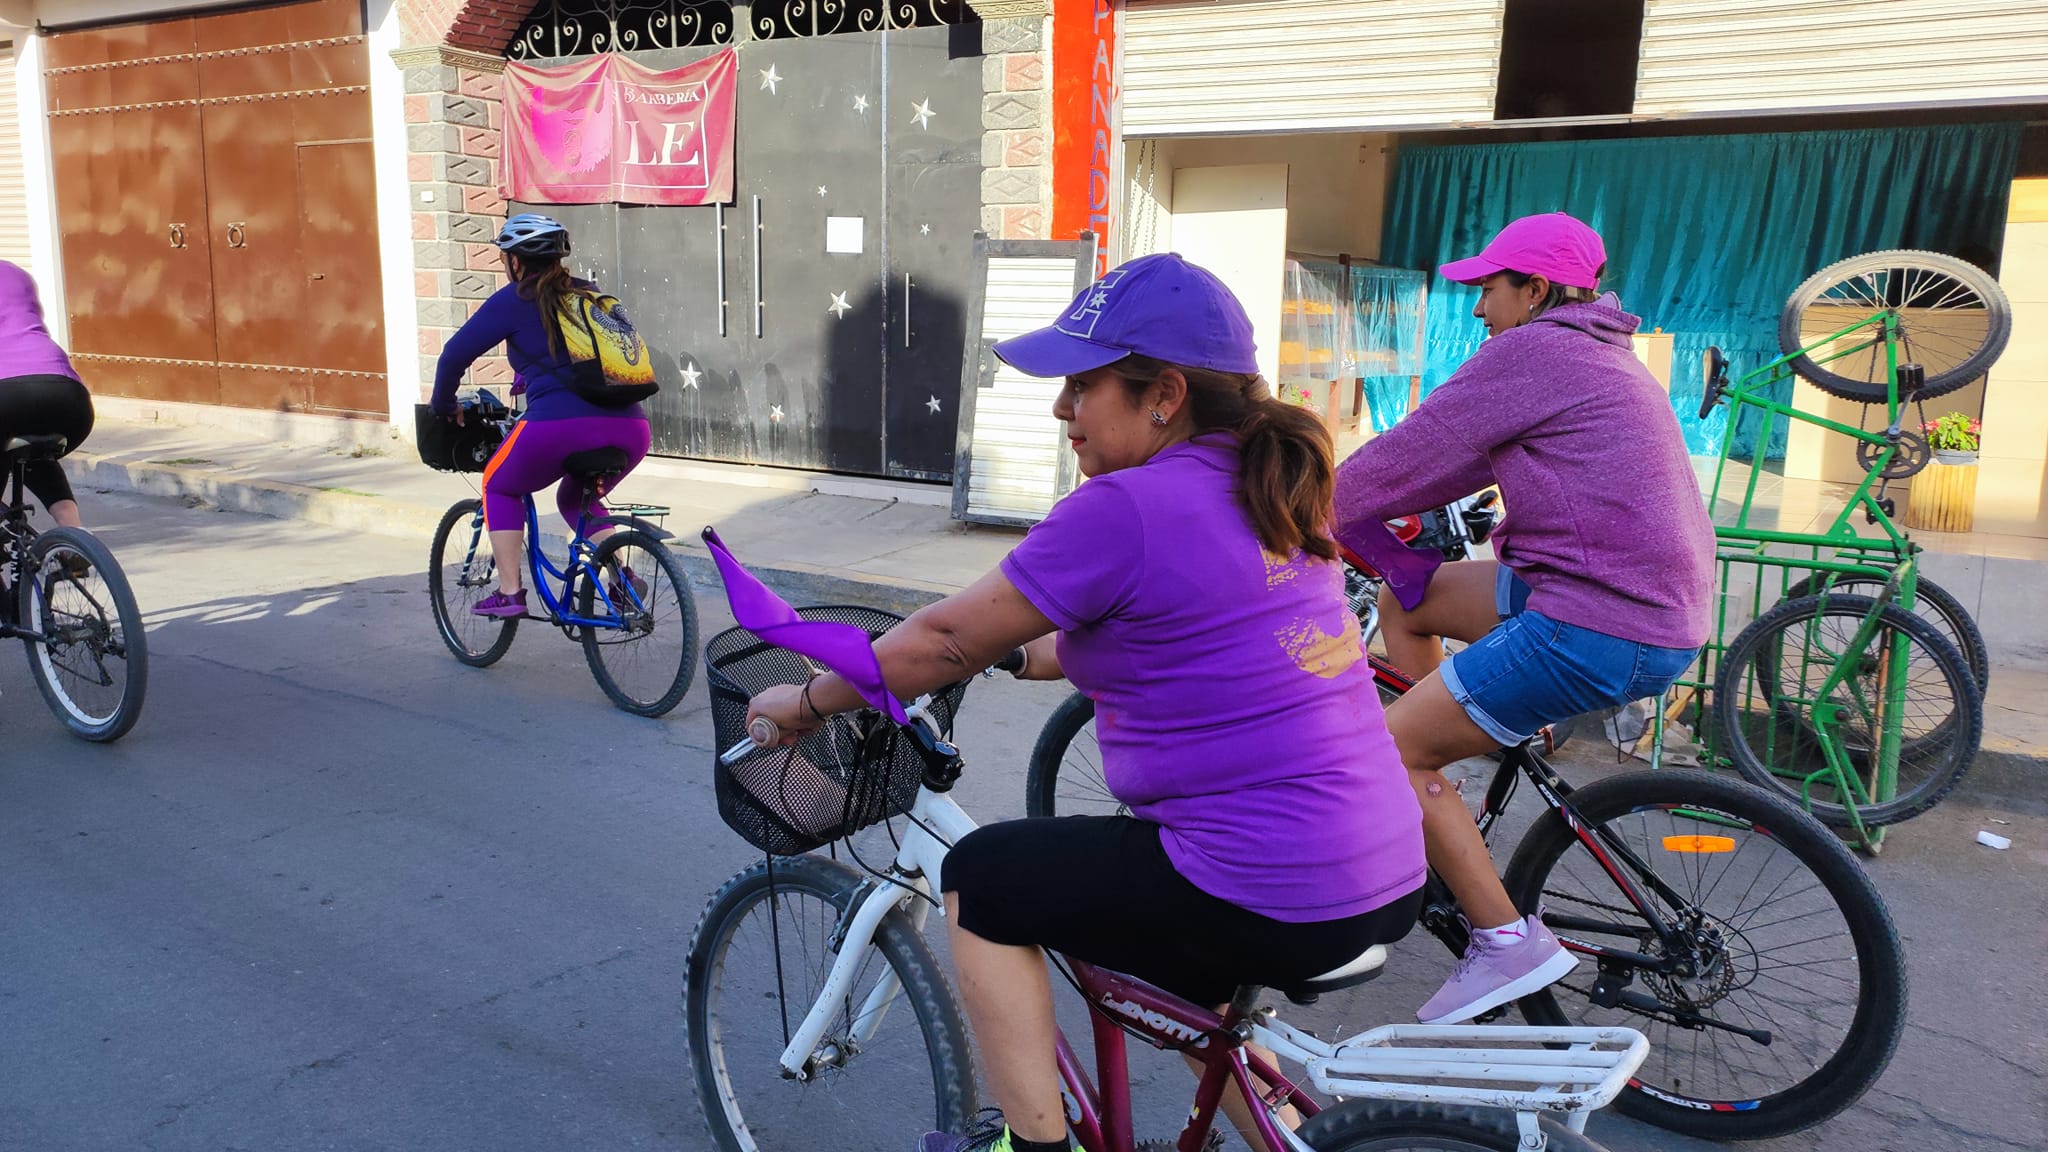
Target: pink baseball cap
<point>1553,246</point>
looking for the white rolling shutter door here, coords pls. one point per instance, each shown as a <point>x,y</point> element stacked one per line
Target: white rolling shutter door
<point>13,198</point>
<point>1016,475</point>
<point>1721,56</point>
<point>1208,67</point>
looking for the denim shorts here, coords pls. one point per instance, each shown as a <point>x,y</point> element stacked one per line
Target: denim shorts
<point>1533,670</point>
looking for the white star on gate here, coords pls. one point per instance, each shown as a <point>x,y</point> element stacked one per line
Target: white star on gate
<point>922,113</point>
<point>839,307</point>
<point>860,104</point>
<point>690,377</point>
<point>821,191</point>
<point>775,413</point>
<point>769,79</point>
<point>933,404</point>
<point>925,229</point>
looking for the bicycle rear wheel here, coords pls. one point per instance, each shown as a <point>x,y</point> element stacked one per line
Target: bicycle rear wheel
<point>1770,680</point>
<point>646,662</point>
<point>758,960</point>
<point>1954,321</point>
<point>1782,932</point>
<point>1385,1126</point>
<point>461,572</point>
<point>1065,776</point>
<point>1931,602</point>
<point>92,661</point>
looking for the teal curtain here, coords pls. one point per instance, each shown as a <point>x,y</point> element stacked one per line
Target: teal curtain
<point>1706,235</point>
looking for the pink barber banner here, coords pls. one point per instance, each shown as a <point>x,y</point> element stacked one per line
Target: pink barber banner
<point>607,129</point>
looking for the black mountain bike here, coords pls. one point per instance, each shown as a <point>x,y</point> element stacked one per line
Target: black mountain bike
<point>1720,920</point>
<point>64,597</point>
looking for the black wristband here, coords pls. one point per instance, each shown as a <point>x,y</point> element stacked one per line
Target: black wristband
<point>810,707</point>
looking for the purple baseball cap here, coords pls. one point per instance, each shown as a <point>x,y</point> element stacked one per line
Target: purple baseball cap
<point>1159,306</point>
<point>1554,246</point>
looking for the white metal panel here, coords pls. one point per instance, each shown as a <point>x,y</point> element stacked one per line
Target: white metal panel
<point>13,196</point>
<point>1017,442</point>
<point>1724,56</point>
<point>1237,66</point>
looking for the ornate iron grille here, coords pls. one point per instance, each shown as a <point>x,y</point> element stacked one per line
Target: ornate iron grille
<point>583,27</point>
<point>785,19</point>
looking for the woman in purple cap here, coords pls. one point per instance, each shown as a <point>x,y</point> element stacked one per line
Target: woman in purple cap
<point>1191,589</point>
<point>1603,588</point>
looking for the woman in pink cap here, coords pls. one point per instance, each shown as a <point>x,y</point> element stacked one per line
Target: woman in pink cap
<point>1602,591</point>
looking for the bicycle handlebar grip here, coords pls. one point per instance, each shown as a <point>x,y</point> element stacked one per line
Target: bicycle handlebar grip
<point>763,732</point>
<point>1013,662</point>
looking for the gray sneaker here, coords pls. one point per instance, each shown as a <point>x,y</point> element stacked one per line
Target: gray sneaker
<point>1492,974</point>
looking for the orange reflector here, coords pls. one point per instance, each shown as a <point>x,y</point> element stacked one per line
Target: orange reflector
<point>1698,844</point>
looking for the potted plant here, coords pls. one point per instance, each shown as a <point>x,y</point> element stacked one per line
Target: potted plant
<point>1954,438</point>
<point>1944,495</point>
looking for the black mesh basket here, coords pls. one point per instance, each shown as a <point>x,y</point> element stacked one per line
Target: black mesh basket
<point>858,770</point>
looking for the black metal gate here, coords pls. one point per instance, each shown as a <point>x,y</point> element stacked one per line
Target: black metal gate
<point>818,321</point>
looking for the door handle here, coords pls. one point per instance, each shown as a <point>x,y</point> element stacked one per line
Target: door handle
<point>177,235</point>
<point>906,309</point>
<point>238,235</point>
<point>721,270</point>
<point>759,299</point>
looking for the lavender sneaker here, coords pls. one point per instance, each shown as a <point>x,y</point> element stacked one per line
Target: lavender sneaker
<point>1492,974</point>
<point>989,1134</point>
<point>501,606</point>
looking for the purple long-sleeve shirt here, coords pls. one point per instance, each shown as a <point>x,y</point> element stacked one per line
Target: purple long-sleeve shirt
<point>1605,521</point>
<point>516,322</point>
<point>26,348</point>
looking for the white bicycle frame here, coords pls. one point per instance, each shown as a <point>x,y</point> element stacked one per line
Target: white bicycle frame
<point>1568,1071</point>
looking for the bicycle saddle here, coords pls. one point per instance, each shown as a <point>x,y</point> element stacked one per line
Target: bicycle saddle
<point>1366,967</point>
<point>592,463</point>
<point>38,447</point>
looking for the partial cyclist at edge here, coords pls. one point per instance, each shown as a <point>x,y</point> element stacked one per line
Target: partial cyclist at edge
<point>526,316</point>
<point>1191,588</point>
<point>43,395</point>
<point>1603,590</point>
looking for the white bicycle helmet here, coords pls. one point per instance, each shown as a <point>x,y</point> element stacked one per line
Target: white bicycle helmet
<point>531,234</point>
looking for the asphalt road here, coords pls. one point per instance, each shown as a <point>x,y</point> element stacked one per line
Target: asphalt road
<point>338,892</point>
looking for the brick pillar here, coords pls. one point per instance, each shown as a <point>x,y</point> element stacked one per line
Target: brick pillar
<point>1016,121</point>
<point>452,142</point>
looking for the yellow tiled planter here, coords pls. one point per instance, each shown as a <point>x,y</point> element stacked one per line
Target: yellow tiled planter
<point>1944,497</point>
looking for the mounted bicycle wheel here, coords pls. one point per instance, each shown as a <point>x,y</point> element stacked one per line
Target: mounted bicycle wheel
<point>890,1068</point>
<point>1931,602</point>
<point>1065,776</point>
<point>1954,321</point>
<point>1781,933</point>
<point>1386,1126</point>
<point>646,663</point>
<point>89,654</point>
<point>1769,683</point>
<point>460,573</point>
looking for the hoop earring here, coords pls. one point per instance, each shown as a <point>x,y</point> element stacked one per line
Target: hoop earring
<point>1158,418</point>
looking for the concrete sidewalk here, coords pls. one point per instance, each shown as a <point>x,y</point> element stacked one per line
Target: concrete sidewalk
<point>831,539</point>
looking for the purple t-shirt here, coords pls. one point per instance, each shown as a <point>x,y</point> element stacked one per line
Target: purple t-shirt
<point>1233,702</point>
<point>25,345</point>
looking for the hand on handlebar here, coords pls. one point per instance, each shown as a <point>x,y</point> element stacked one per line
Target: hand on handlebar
<point>782,706</point>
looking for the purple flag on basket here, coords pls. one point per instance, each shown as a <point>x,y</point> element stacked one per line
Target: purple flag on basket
<point>1406,570</point>
<point>844,648</point>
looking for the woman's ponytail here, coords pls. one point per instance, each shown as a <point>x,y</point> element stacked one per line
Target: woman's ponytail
<point>1287,475</point>
<point>547,283</point>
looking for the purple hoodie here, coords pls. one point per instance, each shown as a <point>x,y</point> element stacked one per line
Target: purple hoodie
<point>1605,521</point>
<point>25,345</point>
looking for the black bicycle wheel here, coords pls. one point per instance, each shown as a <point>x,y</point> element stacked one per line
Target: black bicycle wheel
<point>1782,933</point>
<point>646,663</point>
<point>1770,679</point>
<point>1931,602</point>
<point>1954,321</point>
<point>758,960</point>
<point>1065,777</point>
<point>91,660</point>
<point>1386,1126</point>
<point>460,573</point>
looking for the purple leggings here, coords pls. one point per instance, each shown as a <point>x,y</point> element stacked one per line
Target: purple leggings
<point>531,459</point>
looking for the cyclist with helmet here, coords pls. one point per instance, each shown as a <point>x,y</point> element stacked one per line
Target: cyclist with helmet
<point>558,423</point>
<point>1605,581</point>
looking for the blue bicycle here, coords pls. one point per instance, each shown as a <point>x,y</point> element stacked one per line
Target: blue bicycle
<point>621,592</point>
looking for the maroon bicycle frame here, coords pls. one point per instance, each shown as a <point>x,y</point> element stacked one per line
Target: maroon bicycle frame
<point>1118,1004</point>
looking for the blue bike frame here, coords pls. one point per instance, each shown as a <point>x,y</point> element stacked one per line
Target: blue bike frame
<point>580,551</point>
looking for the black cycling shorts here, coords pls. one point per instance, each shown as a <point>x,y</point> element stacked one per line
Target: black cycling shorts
<point>1101,889</point>
<point>46,405</point>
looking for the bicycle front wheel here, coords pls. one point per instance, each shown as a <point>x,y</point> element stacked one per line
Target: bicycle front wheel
<point>1770,682</point>
<point>1065,776</point>
<point>894,1064</point>
<point>646,659</point>
<point>1953,320</point>
<point>88,653</point>
<point>460,573</point>
<point>1784,1000</point>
